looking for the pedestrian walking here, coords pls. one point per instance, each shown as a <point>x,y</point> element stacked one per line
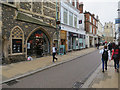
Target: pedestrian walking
<point>116,57</point>
<point>54,51</point>
<point>98,45</point>
<point>105,56</point>
<point>110,46</point>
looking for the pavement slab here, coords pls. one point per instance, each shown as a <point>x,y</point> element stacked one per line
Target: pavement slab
<point>109,79</point>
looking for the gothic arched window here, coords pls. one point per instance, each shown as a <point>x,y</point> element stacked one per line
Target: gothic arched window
<point>17,40</point>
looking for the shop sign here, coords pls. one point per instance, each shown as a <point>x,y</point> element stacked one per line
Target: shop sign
<point>75,35</point>
<point>117,21</point>
<point>39,35</point>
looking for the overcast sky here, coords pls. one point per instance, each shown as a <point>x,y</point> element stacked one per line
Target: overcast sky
<point>105,9</point>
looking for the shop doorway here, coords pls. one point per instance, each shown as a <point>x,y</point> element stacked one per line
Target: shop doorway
<point>38,45</point>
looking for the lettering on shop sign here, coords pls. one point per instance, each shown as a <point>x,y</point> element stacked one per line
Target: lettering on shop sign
<point>18,41</point>
<point>74,34</point>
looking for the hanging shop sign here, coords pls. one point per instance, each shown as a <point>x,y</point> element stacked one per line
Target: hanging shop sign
<point>38,35</point>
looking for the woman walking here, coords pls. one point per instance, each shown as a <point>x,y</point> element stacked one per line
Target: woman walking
<point>116,57</point>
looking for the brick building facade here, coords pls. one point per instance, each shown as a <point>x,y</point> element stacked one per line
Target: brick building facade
<point>91,29</point>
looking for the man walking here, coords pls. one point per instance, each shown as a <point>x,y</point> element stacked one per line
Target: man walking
<point>105,56</point>
<point>54,52</point>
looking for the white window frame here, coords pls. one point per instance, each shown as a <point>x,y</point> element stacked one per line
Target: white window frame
<point>71,19</point>
<point>90,18</point>
<point>90,26</point>
<point>75,3</point>
<point>65,18</point>
<point>75,21</point>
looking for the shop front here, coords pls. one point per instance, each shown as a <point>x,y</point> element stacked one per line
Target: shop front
<point>63,38</point>
<point>73,41</point>
<point>81,41</point>
<point>38,44</point>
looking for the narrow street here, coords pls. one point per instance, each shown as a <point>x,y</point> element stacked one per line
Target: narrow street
<point>66,75</point>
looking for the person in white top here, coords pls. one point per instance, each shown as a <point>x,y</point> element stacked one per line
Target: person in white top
<point>54,52</point>
<point>105,56</point>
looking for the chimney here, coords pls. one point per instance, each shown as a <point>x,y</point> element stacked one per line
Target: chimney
<point>81,7</point>
<point>93,15</point>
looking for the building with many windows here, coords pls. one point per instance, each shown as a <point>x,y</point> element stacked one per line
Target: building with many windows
<point>72,34</point>
<point>109,31</point>
<point>91,25</point>
<point>28,29</point>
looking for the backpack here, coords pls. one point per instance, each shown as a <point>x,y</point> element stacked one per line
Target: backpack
<point>105,55</point>
<point>55,49</point>
<point>116,55</point>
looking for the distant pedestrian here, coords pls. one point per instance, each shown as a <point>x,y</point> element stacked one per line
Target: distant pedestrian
<point>110,46</point>
<point>98,45</point>
<point>116,57</point>
<point>105,56</point>
<point>54,51</point>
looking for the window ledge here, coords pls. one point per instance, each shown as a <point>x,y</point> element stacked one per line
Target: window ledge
<point>17,54</point>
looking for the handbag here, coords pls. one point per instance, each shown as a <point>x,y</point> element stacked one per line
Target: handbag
<point>115,56</point>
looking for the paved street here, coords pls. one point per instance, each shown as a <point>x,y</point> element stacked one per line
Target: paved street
<point>61,76</point>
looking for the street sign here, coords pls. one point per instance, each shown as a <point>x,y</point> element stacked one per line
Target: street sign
<point>117,21</point>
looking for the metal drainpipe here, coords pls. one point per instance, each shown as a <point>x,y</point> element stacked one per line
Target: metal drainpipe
<point>57,31</point>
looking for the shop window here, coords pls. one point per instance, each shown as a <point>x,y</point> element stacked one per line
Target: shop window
<point>76,42</point>
<point>17,45</point>
<point>17,40</point>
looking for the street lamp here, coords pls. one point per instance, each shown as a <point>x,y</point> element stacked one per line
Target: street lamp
<point>57,24</point>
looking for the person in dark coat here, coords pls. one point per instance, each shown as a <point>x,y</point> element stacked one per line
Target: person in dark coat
<point>110,46</point>
<point>105,56</point>
<point>116,57</point>
<point>98,45</point>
